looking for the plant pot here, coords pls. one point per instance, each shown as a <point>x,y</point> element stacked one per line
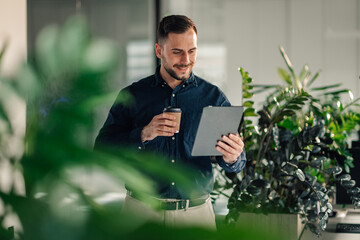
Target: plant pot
<point>278,226</point>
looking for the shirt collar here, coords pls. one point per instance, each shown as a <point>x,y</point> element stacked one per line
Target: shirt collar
<point>159,80</point>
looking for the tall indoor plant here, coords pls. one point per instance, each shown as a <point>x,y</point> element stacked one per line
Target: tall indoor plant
<point>296,152</point>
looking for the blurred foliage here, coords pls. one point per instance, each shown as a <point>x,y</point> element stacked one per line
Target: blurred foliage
<point>297,150</point>
<point>63,84</point>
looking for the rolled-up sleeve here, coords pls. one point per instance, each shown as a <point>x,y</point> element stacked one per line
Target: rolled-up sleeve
<point>236,167</point>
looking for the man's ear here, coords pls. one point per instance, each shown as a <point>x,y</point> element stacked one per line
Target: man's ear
<point>158,50</point>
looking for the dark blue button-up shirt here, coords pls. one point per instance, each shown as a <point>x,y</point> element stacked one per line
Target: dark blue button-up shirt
<point>151,95</point>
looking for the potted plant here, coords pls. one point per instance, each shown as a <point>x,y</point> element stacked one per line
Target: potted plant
<point>295,153</point>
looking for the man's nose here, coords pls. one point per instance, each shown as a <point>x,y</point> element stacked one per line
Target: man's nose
<point>185,58</point>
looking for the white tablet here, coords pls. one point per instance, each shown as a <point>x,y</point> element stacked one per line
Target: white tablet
<point>215,122</point>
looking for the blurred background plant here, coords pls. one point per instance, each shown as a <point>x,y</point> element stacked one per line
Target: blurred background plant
<point>296,152</point>
<point>62,85</point>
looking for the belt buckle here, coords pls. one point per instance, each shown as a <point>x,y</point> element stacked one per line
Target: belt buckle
<point>175,205</point>
<point>182,204</point>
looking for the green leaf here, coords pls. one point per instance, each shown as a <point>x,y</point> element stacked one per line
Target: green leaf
<point>304,72</point>
<point>250,112</point>
<point>73,40</point>
<point>338,92</point>
<point>288,63</point>
<point>3,49</point>
<point>294,107</point>
<point>288,124</point>
<point>247,95</point>
<point>106,99</point>
<point>284,75</point>
<point>350,163</point>
<point>246,81</point>
<point>313,79</point>
<point>298,83</point>
<point>248,103</point>
<point>47,54</point>
<point>283,114</point>
<point>28,84</point>
<point>300,175</point>
<point>248,122</point>
<point>268,86</point>
<point>339,137</point>
<point>326,87</point>
<point>101,56</point>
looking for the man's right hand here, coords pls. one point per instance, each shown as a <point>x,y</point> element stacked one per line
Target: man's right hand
<point>161,125</point>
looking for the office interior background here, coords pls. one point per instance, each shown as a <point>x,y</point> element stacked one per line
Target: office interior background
<point>325,34</point>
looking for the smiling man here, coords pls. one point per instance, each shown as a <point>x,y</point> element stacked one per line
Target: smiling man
<point>145,126</point>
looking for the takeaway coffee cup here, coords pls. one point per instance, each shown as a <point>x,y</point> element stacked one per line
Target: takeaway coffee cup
<point>175,112</point>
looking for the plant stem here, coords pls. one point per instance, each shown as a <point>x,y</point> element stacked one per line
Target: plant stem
<point>222,174</point>
<point>261,151</point>
<point>224,194</point>
<point>302,231</point>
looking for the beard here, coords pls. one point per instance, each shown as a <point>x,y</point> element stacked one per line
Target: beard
<point>172,72</point>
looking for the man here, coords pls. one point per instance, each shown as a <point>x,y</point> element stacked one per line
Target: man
<point>144,125</point>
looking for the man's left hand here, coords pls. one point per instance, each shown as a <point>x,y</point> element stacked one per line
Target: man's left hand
<point>231,147</point>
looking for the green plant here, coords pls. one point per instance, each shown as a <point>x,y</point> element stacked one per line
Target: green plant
<point>296,152</point>
<point>63,84</point>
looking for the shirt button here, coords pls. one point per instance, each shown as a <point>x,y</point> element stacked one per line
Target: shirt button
<point>173,138</point>
<point>173,95</point>
<point>162,85</point>
<point>139,148</point>
<point>173,161</point>
<point>173,183</point>
<point>184,85</point>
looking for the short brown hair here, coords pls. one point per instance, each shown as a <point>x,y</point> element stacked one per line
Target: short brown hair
<point>174,24</point>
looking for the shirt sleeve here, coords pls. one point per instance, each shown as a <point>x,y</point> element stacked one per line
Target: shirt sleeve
<point>236,167</point>
<point>118,129</point>
<point>239,164</point>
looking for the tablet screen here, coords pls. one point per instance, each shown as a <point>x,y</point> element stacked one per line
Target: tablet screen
<point>215,122</point>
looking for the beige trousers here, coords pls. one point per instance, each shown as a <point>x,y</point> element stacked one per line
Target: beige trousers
<point>199,216</point>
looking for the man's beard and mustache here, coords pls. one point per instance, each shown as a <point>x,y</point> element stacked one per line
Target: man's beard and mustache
<point>173,74</point>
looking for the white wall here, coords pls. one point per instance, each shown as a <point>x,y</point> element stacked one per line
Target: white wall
<point>12,30</point>
<point>324,34</point>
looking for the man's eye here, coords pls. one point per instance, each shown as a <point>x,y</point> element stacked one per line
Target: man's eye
<point>176,52</point>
